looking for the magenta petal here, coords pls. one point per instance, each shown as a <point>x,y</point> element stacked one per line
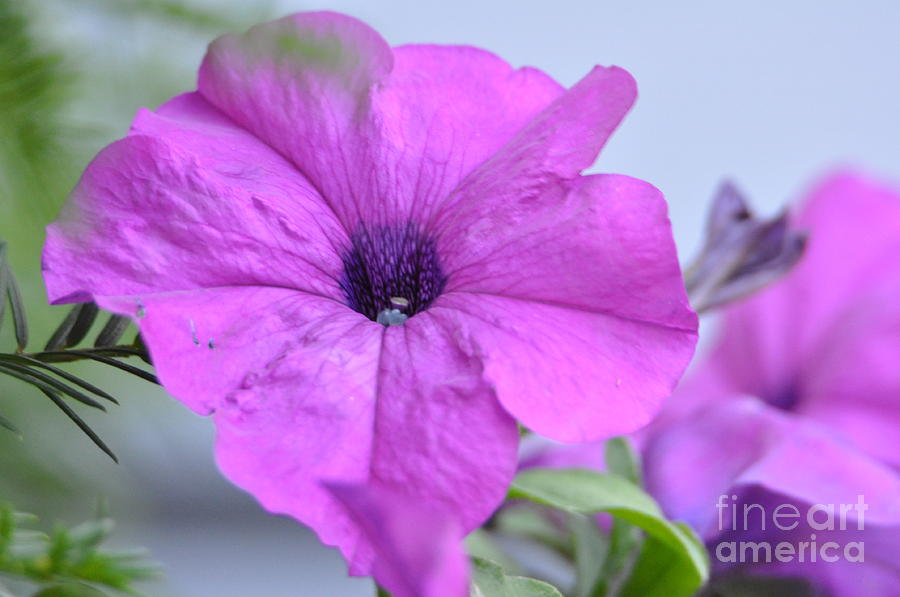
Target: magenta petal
<point>745,442</point>
<point>402,408</point>
<point>576,301</point>
<point>439,426</point>
<point>601,244</point>
<point>187,201</point>
<point>450,108</point>
<point>557,144</point>
<point>567,373</point>
<point>302,85</point>
<point>417,549</point>
<point>326,91</point>
<point>207,343</point>
<point>306,417</point>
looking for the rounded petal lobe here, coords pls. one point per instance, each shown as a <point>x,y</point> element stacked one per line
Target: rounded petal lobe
<point>188,201</point>
<point>555,145</point>
<point>601,243</point>
<point>567,373</point>
<point>443,111</point>
<point>582,283</point>
<point>302,84</point>
<point>384,135</point>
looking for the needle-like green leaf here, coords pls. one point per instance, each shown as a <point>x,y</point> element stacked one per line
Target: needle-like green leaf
<point>7,424</point>
<point>112,331</point>
<point>32,362</point>
<point>20,325</point>
<point>46,382</point>
<point>63,356</point>
<point>57,399</point>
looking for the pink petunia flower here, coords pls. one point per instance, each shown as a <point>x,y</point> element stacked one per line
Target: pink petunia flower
<point>801,396</point>
<point>369,262</point>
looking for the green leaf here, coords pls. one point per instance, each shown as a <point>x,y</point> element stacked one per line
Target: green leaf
<point>20,325</point>
<point>657,574</point>
<point>85,428</point>
<point>7,424</point>
<point>112,331</point>
<point>480,544</point>
<point>489,580</point>
<point>624,539</point>
<point>74,327</point>
<point>531,523</point>
<point>32,362</point>
<point>591,550</point>
<point>622,460</point>
<point>69,562</point>
<point>45,382</point>
<point>584,491</point>
<point>65,356</point>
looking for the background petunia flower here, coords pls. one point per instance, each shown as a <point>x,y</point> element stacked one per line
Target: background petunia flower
<point>368,262</point>
<point>853,560</point>
<point>801,394</point>
<point>417,549</point>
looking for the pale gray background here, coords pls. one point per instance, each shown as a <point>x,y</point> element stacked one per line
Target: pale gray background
<point>770,93</point>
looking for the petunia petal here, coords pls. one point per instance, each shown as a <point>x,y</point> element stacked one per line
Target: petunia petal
<point>439,430</point>
<point>401,408</point>
<point>417,548</point>
<point>576,300</point>
<point>326,91</point>
<point>556,145</point>
<point>188,201</point>
<point>207,343</point>
<point>567,373</point>
<point>745,442</point>
<point>445,110</point>
<point>600,243</point>
<point>306,417</point>
<point>853,380</point>
<point>830,570</point>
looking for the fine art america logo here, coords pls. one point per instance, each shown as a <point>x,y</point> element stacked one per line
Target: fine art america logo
<point>788,533</point>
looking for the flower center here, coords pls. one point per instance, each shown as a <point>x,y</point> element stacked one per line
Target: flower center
<point>786,398</point>
<point>391,272</point>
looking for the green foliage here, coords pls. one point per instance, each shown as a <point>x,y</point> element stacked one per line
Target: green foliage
<point>622,460</point>
<point>34,89</point>
<point>68,562</point>
<point>585,492</point>
<point>489,580</point>
<point>37,368</point>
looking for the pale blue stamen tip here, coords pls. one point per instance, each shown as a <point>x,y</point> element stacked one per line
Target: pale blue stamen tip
<point>391,317</point>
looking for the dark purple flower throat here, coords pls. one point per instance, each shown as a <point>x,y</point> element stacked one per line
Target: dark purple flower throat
<point>391,272</point>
